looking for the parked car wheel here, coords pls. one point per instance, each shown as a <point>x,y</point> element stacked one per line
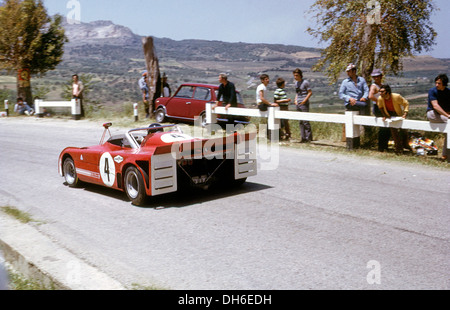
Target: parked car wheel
<point>70,173</point>
<point>134,186</point>
<point>203,119</point>
<point>160,115</point>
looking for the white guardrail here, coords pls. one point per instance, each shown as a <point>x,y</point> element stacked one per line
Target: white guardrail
<point>351,120</point>
<point>74,105</point>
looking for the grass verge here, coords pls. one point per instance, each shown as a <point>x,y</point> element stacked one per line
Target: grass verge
<point>21,216</point>
<point>18,282</point>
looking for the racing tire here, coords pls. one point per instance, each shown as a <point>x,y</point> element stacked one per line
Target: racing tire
<point>135,186</point>
<point>160,115</point>
<point>70,173</point>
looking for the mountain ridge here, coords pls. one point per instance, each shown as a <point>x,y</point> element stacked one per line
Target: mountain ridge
<point>105,32</point>
<point>113,56</point>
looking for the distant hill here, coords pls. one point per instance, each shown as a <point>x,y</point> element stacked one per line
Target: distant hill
<point>105,33</point>
<point>99,32</point>
<point>113,55</point>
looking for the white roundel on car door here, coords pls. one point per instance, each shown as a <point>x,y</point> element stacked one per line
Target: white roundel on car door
<point>175,137</point>
<point>107,169</point>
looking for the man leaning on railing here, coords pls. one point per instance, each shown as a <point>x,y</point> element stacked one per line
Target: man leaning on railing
<point>438,110</point>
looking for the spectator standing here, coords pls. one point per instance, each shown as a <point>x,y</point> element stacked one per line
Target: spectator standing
<point>438,110</point>
<point>261,94</point>
<point>391,104</point>
<point>355,92</point>
<point>227,95</point>
<point>303,94</point>
<point>227,92</point>
<point>384,134</point>
<point>261,99</point>
<point>166,91</point>
<point>77,91</point>
<point>280,97</point>
<point>145,92</point>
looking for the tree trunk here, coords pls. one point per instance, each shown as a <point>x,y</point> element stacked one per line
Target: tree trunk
<point>154,77</point>
<point>24,86</point>
<point>368,52</point>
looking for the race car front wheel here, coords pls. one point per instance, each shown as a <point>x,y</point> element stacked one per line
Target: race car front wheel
<point>70,173</point>
<point>134,186</point>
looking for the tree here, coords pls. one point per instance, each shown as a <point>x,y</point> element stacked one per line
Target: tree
<point>31,42</point>
<point>371,33</point>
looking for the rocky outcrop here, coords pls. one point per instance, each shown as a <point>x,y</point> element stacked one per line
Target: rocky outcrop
<point>100,32</point>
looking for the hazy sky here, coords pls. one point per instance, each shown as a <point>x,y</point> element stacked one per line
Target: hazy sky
<point>250,21</point>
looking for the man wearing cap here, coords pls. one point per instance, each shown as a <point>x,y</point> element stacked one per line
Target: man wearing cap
<point>355,92</point>
<point>166,91</point>
<point>143,86</point>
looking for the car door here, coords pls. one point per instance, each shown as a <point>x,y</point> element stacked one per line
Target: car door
<point>202,95</point>
<point>179,104</point>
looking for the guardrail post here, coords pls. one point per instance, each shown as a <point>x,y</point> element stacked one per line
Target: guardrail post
<point>210,117</point>
<point>76,109</point>
<point>136,112</point>
<point>447,136</point>
<point>6,108</point>
<point>273,123</point>
<point>37,108</point>
<point>352,131</point>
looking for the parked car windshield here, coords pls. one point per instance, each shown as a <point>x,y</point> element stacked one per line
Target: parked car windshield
<point>185,92</point>
<point>202,93</point>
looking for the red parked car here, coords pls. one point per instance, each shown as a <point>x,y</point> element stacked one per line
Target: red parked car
<point>157,160</point>
<point>189,102</point>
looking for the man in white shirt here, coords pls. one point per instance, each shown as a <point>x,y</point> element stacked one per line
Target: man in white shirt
<point>77,91</point>
<point>261,94</point>
<point>145,91</point>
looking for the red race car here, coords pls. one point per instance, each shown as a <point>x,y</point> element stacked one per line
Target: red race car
<point>158,159</point>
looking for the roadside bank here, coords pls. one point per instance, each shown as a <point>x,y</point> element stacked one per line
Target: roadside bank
<point>39,258</point>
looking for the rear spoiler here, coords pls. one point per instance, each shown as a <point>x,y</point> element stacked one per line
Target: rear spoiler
<point>207,148</point>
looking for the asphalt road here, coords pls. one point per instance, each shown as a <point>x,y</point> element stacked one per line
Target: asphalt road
<point>317,221</point>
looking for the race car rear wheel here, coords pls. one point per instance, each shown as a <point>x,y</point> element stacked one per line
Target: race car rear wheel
<point>70,173</point>
<point>134,186</point>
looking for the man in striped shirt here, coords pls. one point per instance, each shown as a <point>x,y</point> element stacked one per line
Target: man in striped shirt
<point>283,101</point>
